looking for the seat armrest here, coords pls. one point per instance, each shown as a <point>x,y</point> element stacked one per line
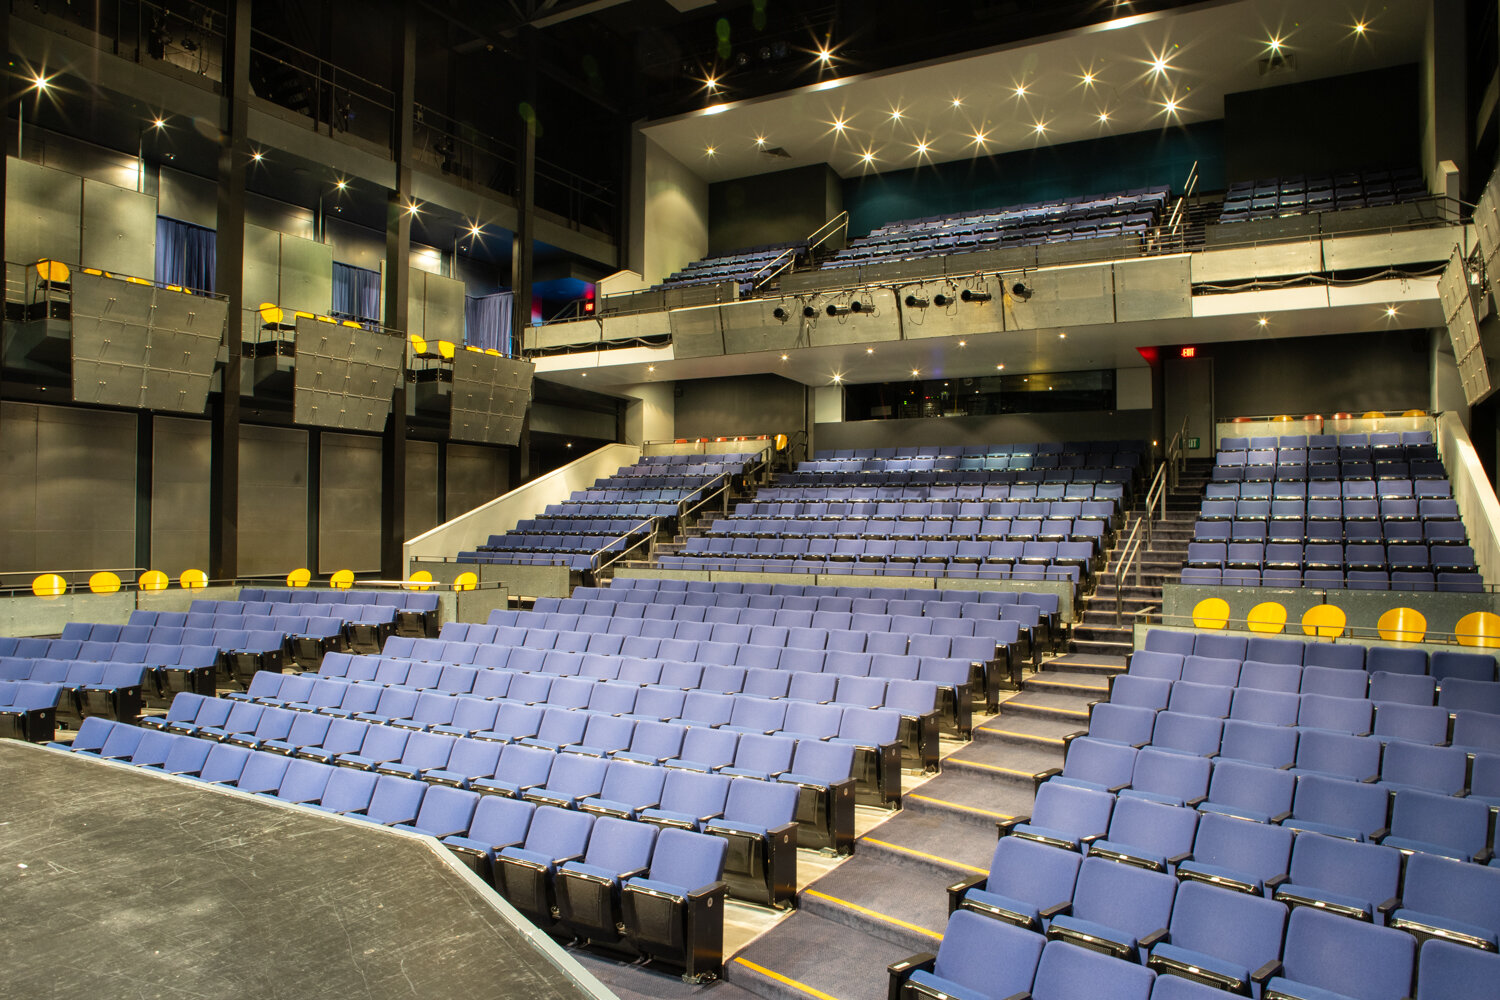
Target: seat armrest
<point>1484,856</point>
<point>957,890</point>
<point>1005,826</point>
<point>1023,995</point>
<point>1117,789</point>
<point>899,972</point>
<point>1160,934</point>
<point>1041,776</point>
<point>1178,859</point>
<point>1380,834</point>
<point>1275,881</point>
<point>1260,975</point>
<point>1281,816</point>
<point>1389,906</point>
<point>1056,909</point>
<point>1195,803</point>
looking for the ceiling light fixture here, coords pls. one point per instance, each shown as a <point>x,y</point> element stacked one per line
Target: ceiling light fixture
<point>869,350</point>
<point>839,124</point>
<point>837,377</point>
<point>963,343</point>
<point>958,102</point>
<point>922,147</point>
<point>41,82</point>
<point>825,55</point>
<point>915,372</point>
<point>1360,27</point>
<point>783,357</point>
<point>159,122</point>
<point>897,114</point>
<point>413,208</point>
<point>980,137</point>
<point>1020,90</point>
<point>1039,128</point>
<point>712,83</point>
<point>257,156</point>
<point>1274,44</point>
<point>651,368</point>
<point>999,368</point>
<point>341,184</point>
<point>476,230</point>
<point>1390,312</point>
<point>1171,106</point>
<point>868,156</point>
<point>1104,115</point>
<point>1159,65</point>
<point>760,142</point>
<point>1062,336</point>
<point>1088,78</point>
<point>710,151</point>
<point>1262,321</point>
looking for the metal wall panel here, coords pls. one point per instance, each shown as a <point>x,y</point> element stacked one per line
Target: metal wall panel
<point>476,475</point>
<point>43,213</point>
<point>444,318</point>
<point>142,346</point>
<point>1074,296</point>
<point>1388,249</point>
<point>751,326</point>
<point>344,375</point>
<point>641,325</point>
<point>490,397</point>
<point>262,272</point>
<point>306,276</point>
<point>1154,289</point>
<point>69,496</point>
<point>1268,261</point>
<point>1487,223</point>
<point>421,487</point>
<point>697,332</point>
<point>119,230</point>
<point>583,331</point>
<point>416,301</point>
<point>349,486</point>
<point>875,322</point>
<point>273,500</point>
<point>179,494</point>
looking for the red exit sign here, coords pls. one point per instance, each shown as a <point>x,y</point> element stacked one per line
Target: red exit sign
<point>1190,352</point>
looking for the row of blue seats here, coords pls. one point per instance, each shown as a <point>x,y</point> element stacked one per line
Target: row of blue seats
<point>650,884</point>
<point>1374,439</point>
<point>1403,672</point>
<point>577,563</point>
<point>986,450</point>
<point>1404,659</point>
<point>1348,507</point>
<point>1448,558</point>
<point>996,486</point>
<point>632,510</point>
<point>916,246</point>
<point>1101,922</point>
<point>1058,527</point>
<point>1030,572</point>
<point>507,747</point>
<point>1063,460</point>
<point>962,510</point>
<point>1332,579</point>
<point>735,457</point>
<point>404,600</point>
<point>617,494</point>
<point>613,600</point>
<point>1126,201</point>
<point>1421,489</point>
<point>1415,470</point>
<point>963,477</point>
<point>611,527</point>
<point>560,542</point>
<point>1319,531</point>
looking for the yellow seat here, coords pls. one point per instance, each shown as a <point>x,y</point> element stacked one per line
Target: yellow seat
<point>193,579</point>
<point>1374,415</point>
<point>153,579</point>
<point>354,323</point>
<point>1402,625</point>
<point>1478,628</point>
<point>446,351</point>
<point>298,578</point>
<point>49,585</point>
<point>420,580</point>
<point>1414,413</point>
<point>104,582</point>
<point>1324,621</point>
<point>326,319</point>
<point>1211,613</point>
<point>342,580</point>
<point>1267,618</point>
<point>271,313</point>
<point>303,314</point>
<point>466,581</point>
<point>54,271</point>
<point>132,279</point>
<point>492,351</point>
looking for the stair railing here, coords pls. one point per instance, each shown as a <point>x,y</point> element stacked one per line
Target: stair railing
<point>827,231</point>
<point>1128,553</point>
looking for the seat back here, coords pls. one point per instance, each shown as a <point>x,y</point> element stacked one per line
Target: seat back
<point>987,956</point>
<point>559,833</point>
<point>1243,929</point>
<point>1348,957</point>
<point>1124,897</point>
<point>688,860</point>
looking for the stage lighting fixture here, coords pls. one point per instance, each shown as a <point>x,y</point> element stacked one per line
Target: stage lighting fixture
<point>969,295</point>
<point>809,312</point>
<point>779,313</point>
<point>838,309</point>
<point>861,307</point>
<point>1021,290</point>
<point>940,300</point>
<point>914,302</point>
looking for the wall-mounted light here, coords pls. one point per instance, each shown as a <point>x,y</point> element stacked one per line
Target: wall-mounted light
<point>916,302</point>
<point>970,295</point>
<point>861,307</point>
<point>1021,290</point>
<point>780,313</point>
<point>838,309</point>
<point>940,300</point>
<point>809,312</point>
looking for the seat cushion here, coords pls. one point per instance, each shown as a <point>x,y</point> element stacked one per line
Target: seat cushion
<point>944,987</point>
<point>1303,991</point>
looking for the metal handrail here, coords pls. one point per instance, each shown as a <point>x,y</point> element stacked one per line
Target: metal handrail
<point>650,524</point>
<point>1167,475</point>
<point>788,257</point>
<point>1179,211</point>
<point>723,488</point>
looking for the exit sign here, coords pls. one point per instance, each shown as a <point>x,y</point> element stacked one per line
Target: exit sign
<point>1194,443</point>
<point>1190,352</point>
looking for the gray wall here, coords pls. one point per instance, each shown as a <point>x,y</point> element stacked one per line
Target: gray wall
<point>421,487</point>
<point>1353,372</point>
<point>349,503</point>
<point>273,500</point>
<point>476,475</point>
<point>68,500</point>
<point>1016,428</point>
<point>179,494</point>
<point>742,404</point>
<point>771,208</point>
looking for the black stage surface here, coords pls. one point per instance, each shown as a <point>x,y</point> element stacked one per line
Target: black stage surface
<point>117,883</point>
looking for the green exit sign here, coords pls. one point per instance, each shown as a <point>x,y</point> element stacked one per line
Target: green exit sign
<point>1194,442</point>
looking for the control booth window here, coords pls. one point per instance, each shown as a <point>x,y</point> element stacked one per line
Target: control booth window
<point>988,395</point>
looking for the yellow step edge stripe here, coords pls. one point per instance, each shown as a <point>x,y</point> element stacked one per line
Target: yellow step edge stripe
<point>1071,686</point>
<point>1026,736</point>
<point>785,980</point>
<point>958,806</point>
<point>930,857</point>
<point>988,767</point>
<point>873,914</point>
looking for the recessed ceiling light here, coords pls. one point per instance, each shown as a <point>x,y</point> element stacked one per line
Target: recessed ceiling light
<point>963,343</point>
<point>869,350</point>
<point>980,137</point>
<point>341,184</point>
<point>839,124</point>
<point>1261,322</point>
<point>915,372</point>
<point>712,83</point>
<point>476,230</point>
<point>41,82</point>
<point>257,156</point>
<point>651,368</point>
<point>1088,78</point>
<point>1359,27</point>
<point>783,357</point>
<point>958,102</point>
<point>868,156</point>
<point>584,375</point>
<point>921,147</point>
<point>1062,336</point>
<point>1390,312</point>
<point>1159,65</point>
<point>710,151</point>
<point>837,377</point>
<point>1039,128</point>
<point>999,368</point>
<point>1171,106</point>
<point>825,55</point>
<point>1274,44</point>
<point>1104,115</point>
<point>1020,90</point>
<point>159,122</point>
<point>760,142</point>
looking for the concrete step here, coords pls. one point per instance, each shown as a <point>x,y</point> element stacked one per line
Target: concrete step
<point>1101,647</point>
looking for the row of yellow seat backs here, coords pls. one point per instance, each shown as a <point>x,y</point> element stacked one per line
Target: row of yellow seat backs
<point>105,582</point>
<point>1326,621</point>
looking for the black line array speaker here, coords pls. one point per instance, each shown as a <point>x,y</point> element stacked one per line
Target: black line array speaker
<point>137,345</point>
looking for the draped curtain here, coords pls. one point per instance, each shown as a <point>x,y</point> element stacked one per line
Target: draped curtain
<point>185,254</point>
<point>356,293</point>
<point>487,322</point>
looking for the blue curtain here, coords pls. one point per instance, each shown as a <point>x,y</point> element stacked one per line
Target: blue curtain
<point>487,322</point>
<point>356,292</point>
<point>185,254</point>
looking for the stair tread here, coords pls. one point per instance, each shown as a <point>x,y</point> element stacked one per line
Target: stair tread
<point>1037,728</point>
